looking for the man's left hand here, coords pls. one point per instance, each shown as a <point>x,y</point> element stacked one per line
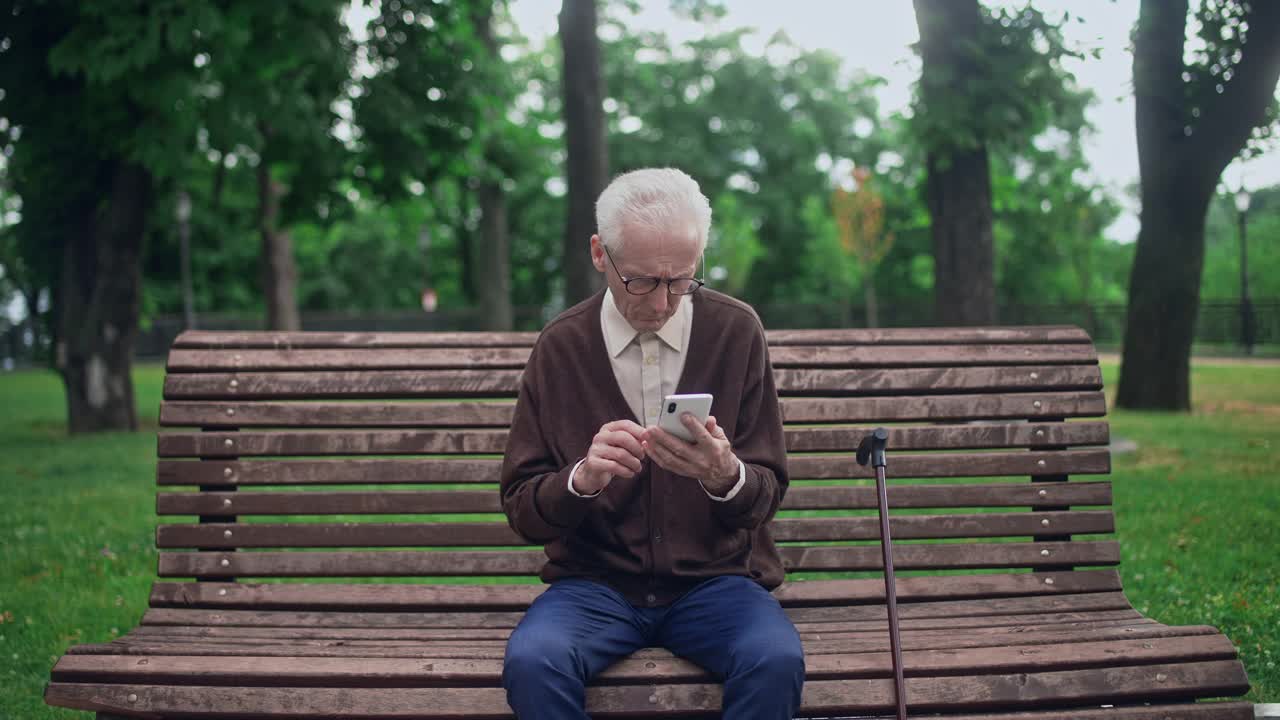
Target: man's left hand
<point>709,458</point>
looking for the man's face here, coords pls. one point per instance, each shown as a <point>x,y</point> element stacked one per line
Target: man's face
<point>668,253</point>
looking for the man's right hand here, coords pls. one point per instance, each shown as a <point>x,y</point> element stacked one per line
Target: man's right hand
<point>615,452</point>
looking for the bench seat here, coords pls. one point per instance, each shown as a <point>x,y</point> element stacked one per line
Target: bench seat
<point>335,549</point>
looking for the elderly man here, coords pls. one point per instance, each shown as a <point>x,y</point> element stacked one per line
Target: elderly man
<point>651,540</point>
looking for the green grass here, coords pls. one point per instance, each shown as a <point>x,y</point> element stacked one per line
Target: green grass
<point>1197,507</point>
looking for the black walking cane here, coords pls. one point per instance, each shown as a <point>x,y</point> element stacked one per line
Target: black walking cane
<point>872,449</point>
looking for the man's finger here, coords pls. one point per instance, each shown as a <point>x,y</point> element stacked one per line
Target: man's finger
<point>672,444</point>
<point>622,456</point>
<point>628,426</point>
<point>667,459</point>
<point>714,429</point>
<point>626,441</point>
<point>699,432</point>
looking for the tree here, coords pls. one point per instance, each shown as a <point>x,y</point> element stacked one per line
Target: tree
<point>270,80</point>
<point>959,186</point>
<point>100,122</point>
<point>989,80</point>
<point>442,65</point>
<point>765,128</point>
<point>588,160</point>
<point>859,215</point>
<point>1192,119</point>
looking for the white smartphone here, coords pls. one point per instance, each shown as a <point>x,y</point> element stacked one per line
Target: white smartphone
<point>676,405</point>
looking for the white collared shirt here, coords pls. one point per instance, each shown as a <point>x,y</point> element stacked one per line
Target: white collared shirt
<point>647,366</point>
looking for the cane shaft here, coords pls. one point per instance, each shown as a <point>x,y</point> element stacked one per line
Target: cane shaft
<point>891,595</point>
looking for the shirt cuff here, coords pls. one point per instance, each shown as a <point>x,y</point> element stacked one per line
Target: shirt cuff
<point>575,492</point>
<point>742,480</point>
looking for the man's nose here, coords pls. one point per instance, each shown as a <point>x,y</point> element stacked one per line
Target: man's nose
<point>658,299</point>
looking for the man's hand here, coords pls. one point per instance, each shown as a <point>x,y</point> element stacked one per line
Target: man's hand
<point>615,452</point>
<point>709,458</point>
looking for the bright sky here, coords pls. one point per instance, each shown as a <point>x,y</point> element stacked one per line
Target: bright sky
<point>876,35</point>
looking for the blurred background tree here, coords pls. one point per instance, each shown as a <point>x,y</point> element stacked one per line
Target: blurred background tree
<point>859,215</point>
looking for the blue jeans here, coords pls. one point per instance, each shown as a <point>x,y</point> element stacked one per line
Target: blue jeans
<point>730,626</point>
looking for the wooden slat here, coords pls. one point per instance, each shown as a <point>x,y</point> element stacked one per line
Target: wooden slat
<point>458,534</point>
<point>952,556</point>
<point>496,637</point>
<point>925,465</point>
<point>353,471</point>
<point>1183,711</point>
<point>1015,690</point>
<point>990,406</point>
<point>401,672</point>
<point>848,356</point>
<point>186,360</point>
<point>390,413</point>
<point>503,383</point>
<point>868,637</point>
<point>311,339</point>
<point>950,638</point>
<point>498,413</point>
<point>964,437</point>
<point>427,598</point>
<point>889,356</point>
<point>826,497</point>
<point>850,336</point>
<point>929,336</point>
<point>488,441</point>
<point>938,380</point>
<point>366,384</point>
<point>394,563</point>
<point>321,472</point>
<point>1003,609</point>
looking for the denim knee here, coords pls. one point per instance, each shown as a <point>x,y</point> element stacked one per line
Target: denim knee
<point>538,655</point>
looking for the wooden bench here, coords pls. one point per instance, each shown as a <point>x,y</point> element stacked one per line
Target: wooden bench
<point>353,457</point>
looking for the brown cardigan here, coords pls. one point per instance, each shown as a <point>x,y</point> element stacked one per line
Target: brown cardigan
<point>652,537</point>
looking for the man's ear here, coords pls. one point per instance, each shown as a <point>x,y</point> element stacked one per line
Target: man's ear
<point>597,253</point>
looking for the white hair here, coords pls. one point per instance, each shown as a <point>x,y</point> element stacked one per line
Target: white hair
<point>654,198</point>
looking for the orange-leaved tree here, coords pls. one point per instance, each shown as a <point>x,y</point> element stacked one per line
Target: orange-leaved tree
<point>859,215</point>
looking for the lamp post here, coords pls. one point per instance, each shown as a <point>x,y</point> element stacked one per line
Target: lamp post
<point>1246,307</point>
<point>182,213</point>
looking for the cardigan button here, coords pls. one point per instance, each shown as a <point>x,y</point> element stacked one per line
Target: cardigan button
<point>651,599</point>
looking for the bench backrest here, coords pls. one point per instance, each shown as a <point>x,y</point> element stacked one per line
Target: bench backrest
<point>375,455</point>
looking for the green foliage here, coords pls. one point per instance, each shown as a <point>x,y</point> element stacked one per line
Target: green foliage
<point>1015,90</point>
<point>721,112</point>
<point>1221,29</point>
<point>1221,278</point>
<point>734,245</point>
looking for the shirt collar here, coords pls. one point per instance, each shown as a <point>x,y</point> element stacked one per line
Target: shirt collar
<point>618,333</point>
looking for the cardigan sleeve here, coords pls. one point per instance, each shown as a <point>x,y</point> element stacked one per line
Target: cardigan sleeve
<point>759,443</point>
<point>534,482</point>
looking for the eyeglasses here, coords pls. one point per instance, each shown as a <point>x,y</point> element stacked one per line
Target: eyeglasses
<point>646,285</point>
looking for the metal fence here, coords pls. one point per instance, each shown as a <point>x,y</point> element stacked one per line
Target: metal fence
<point>1219,323</point>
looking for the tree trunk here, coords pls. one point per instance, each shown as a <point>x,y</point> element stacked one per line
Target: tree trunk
<point>1180,158</point>
<point>588,160</point>
<point>493,268</point>
<point>279,273</point>
<point>98,308</point>
<point>869,298</point>
<point>1164,296</point>
<point>958,193</point>
<point>958,189</point>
